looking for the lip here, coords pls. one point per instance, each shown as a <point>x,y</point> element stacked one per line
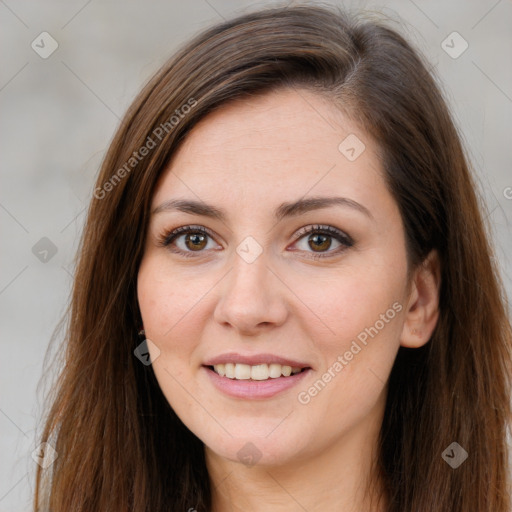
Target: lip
<point>254,389</point>
<point>252,360</point>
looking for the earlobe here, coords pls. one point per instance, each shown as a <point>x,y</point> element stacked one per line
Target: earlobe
<point>422,310</point>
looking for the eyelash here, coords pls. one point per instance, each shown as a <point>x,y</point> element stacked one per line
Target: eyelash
<point>167,238</point>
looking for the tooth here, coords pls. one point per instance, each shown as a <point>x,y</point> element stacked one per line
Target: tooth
<point>259,372</point>
<point>256,372</point>
<point>242,371</point>
<point>230,370</point>
<point>274,370</point>
<point>286,370</point>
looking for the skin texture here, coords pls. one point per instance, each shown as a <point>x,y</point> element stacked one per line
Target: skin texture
<point>247,158</point>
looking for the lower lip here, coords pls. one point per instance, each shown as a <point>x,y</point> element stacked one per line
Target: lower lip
<point>254,388</point>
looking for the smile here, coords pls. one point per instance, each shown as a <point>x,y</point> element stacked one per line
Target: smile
<point>240,371</point>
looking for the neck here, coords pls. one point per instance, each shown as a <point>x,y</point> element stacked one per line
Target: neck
<point>343,477</point>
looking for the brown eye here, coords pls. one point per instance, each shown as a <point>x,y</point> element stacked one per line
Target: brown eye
<point>187,240</point>
<point>195,241</point>
<point>319,242</point>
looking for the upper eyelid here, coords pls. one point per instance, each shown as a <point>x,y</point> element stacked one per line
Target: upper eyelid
<point>331,231</point>
<point>183,230</point>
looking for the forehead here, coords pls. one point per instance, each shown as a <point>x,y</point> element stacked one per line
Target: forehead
<point>274,147</point>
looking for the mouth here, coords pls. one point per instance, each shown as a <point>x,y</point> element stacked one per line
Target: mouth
<point>258,372</point>
<point>255,376</point>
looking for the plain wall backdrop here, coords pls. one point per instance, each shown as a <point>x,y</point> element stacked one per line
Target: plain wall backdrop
<point>61,104</point>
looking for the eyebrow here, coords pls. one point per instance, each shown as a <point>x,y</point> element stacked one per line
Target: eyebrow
<point>282,211</point>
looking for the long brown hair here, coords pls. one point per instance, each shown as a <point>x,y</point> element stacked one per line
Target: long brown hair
<point>121,447</point>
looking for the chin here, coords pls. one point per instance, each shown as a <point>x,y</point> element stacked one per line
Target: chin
<point>253,450</point>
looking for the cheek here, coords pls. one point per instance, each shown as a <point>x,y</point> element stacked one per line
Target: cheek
<point>356,361</point>
<point>363,310</point>
<point>360,297</point>
<point>167,301</point>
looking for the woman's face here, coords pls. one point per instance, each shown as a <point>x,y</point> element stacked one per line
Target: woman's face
<point>301,264</point>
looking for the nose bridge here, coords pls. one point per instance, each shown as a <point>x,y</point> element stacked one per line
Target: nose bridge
<point>251,295</point>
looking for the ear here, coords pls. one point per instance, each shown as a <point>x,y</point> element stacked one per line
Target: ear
<point>422,311</point>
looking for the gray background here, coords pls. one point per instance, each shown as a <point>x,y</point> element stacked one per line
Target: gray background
<point>59,114</point>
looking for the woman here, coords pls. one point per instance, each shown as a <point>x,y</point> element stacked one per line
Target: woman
<point>285,297</point>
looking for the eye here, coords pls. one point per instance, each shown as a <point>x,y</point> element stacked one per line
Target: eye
<point>187,240</point>
<point>319,239</point>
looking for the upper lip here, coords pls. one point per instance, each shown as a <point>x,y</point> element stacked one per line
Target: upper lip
<point>254,359</point>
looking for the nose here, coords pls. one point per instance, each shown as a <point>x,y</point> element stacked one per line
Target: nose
<point>252,298</point>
